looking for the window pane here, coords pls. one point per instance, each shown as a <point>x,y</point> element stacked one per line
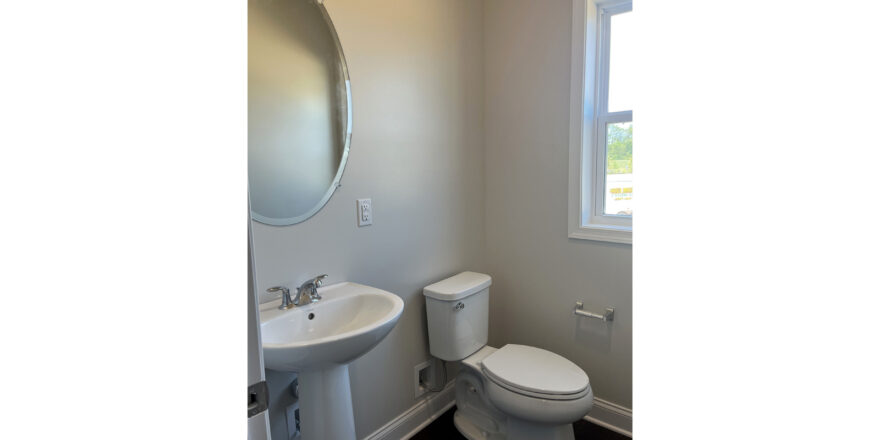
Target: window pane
<point>618,169</point>
<point>620,67</point>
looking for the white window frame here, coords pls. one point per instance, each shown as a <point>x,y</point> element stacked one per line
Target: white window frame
<point>589,68</point>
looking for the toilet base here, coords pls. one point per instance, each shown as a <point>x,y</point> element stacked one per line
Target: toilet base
<point>523,430</point>
<point>477,418</point>
<point>471,431</point>
<point>517,430</point>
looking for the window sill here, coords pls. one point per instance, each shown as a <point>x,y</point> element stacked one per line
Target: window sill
<point>609,233</point>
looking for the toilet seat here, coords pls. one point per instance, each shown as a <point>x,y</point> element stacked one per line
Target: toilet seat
<point>535,372</point>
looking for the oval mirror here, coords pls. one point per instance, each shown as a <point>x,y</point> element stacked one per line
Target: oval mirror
<point>299,110</point>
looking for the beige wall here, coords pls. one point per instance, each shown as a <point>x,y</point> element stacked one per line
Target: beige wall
<point>538,271</point>
<point>416,78</point>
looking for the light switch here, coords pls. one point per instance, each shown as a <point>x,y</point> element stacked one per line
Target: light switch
<point>365,212</point>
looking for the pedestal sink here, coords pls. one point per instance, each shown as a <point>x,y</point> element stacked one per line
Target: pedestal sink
<point>318,341</point>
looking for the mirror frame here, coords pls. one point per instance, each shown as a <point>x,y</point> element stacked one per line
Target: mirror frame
<point>337,180</point>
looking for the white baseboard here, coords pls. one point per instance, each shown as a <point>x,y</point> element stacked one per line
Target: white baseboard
<point>612,416</point>
<point>604,413</point>
<point>420,415</point>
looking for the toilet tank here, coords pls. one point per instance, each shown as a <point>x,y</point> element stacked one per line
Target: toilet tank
<point>458,315</point>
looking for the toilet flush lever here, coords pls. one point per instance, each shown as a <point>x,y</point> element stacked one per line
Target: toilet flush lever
<point>607,317</point>
<point>459,306</point>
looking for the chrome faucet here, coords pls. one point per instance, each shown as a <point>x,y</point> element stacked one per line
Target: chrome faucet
<point>307,293</point>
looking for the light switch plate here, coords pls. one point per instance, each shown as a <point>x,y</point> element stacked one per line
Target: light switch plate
<point>365,212</point>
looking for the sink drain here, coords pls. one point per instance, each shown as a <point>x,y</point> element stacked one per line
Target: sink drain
<point>311,316</point>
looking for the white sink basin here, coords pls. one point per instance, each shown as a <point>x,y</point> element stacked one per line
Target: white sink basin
<point>347,322</point>
<point>318,341</point>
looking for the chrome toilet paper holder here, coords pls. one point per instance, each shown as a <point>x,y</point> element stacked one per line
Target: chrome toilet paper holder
<point>608,316</point>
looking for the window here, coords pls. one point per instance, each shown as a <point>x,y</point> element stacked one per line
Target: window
<point>601,184</point>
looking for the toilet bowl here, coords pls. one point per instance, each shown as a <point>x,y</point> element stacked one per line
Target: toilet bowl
<point>515,392</point>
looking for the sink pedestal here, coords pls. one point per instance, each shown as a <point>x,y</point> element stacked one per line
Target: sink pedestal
<point>325,411</point>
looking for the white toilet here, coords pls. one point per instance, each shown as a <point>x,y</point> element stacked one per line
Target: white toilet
<point>513,392</point>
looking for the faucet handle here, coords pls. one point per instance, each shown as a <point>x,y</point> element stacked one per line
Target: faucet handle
<point>282,289</point>
<point>319,280</point>
<point>316,282</point>
<point>285,296</point>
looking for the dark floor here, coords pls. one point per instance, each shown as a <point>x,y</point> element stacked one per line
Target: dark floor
<point>444,429</point>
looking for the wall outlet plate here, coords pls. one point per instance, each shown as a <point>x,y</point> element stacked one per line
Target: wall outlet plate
<point>365,212</point>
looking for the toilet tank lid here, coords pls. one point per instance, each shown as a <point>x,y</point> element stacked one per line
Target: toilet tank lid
<point>458,286</point>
